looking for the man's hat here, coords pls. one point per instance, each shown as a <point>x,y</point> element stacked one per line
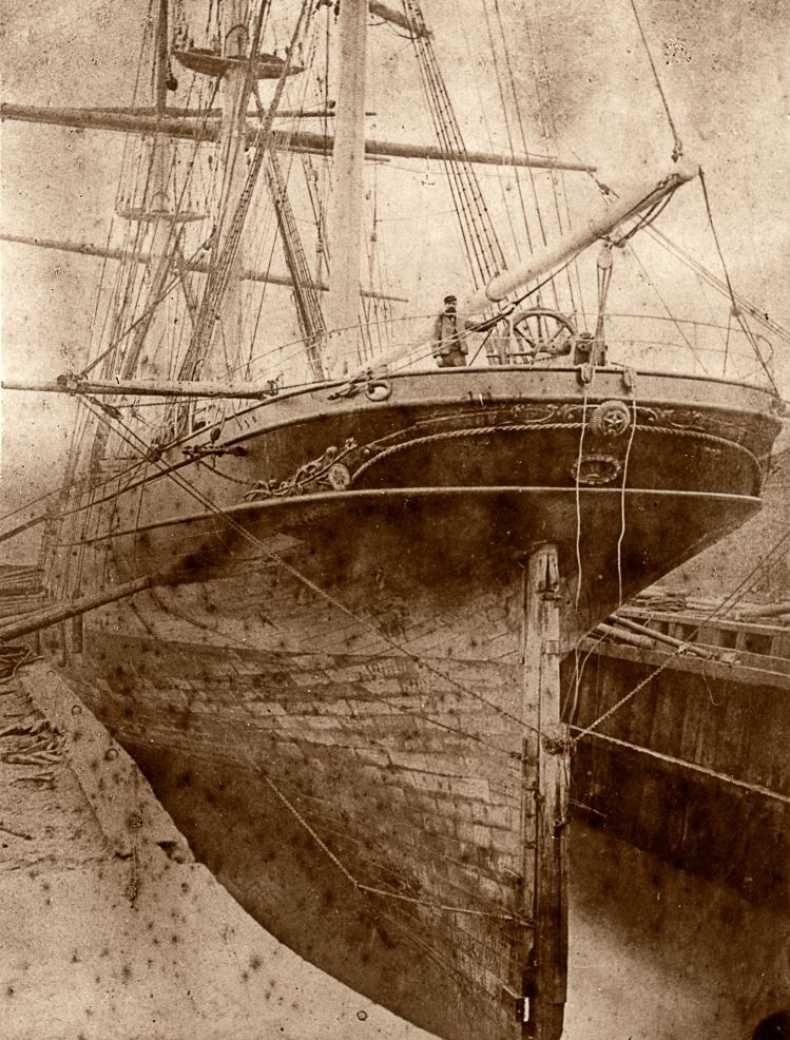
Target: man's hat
<point>451,299</point>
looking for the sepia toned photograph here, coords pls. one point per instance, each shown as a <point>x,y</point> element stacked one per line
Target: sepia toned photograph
<point>395,520</point>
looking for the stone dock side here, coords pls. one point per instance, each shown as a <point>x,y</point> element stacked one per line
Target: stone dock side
<point>110,929</point>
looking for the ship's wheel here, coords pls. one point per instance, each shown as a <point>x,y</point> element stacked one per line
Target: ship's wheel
<point>541,330</point>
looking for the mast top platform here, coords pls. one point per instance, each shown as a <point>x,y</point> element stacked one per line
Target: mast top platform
<point>210,63</point>
<point>155,213</point>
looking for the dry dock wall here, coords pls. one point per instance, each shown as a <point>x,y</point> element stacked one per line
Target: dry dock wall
<point>694,768</point>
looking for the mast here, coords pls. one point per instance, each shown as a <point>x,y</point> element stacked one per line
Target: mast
<point>235,91</point>
<point>220,316</point>
<point>308,306</point>
<point>156,209</point>
<point>346,209</point>
<point>161,143</point>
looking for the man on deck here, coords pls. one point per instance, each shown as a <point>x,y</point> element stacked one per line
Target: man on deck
<point>449,342</point>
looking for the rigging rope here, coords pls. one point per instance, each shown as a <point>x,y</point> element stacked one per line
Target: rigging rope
<point>677,150</point>
<point>646,222</point>
<point>541,123</point>
<point>735,309</point>
<point>753,311</point>
<point>483,250</point>
<point>508,131</point>
<point>623,485</point>
<point>371,889</point>
<point>667,308</point>
<point>714,774</point>
<point>548,124</point>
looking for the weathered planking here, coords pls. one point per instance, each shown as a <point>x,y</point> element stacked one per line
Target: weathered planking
<point>718,801</point>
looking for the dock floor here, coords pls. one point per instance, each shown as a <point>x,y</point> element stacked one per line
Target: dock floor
<point>111,929</point>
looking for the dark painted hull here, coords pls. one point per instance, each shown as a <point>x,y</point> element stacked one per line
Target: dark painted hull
<point>326,688</point>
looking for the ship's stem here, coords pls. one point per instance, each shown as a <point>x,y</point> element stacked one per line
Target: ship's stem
<point>547,979</point>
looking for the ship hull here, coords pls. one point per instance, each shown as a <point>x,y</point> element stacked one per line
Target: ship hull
<point>327,684</point>
<point>628,475</point>
<point>299,779</point>
<point>314,720</point>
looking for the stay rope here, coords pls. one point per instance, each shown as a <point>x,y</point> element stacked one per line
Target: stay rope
<point>678,145</point>
<point>735,308</point>
<point>695,767</point>
<point>481,244</point>
<point>550,132</point>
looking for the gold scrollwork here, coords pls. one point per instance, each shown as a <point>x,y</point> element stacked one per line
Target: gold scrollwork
<point>326,471</point>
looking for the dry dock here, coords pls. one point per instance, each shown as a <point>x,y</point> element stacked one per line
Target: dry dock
<point>111,929</point>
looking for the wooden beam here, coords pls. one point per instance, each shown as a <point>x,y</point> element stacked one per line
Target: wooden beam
<point>200,267</point>
<point>663,637</point>
<point>213,113</point>
<point>614,632</point>
<point>773,610</point>
<point>547,990</point>
<point>206,129</point>
<point>73,608</point>
<point>182,388</point>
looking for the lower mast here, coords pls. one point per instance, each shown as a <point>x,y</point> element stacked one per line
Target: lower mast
<point>346,208</point>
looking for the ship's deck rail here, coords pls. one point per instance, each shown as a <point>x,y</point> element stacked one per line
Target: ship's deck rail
<point>652,341</point>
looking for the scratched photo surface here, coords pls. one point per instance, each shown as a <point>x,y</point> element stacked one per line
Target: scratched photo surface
<point>449,698</point>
